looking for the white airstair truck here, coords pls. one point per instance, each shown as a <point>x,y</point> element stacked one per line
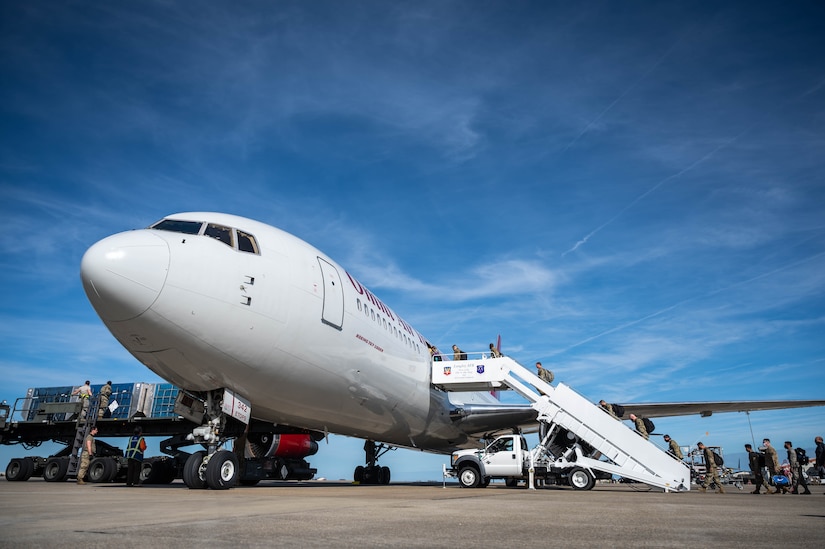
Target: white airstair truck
<point>578,441</point>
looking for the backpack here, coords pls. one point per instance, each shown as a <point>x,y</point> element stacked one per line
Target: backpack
<point>717,459</point>
<point>618,409</point>
<point>801,456</point>
<point>649,426</point>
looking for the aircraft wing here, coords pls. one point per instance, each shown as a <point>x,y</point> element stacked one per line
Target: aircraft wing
<point>484,418</point>
<point>705,409</point>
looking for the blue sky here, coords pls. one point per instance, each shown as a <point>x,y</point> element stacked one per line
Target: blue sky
<point>632,193</point>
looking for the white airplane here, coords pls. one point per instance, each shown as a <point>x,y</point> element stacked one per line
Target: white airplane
<point>211,301</point>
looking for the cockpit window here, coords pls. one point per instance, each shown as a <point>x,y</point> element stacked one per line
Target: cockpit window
<point>233,238</point>
<point>247,243</point>
<point>175,226</point>
<point>224,234</point>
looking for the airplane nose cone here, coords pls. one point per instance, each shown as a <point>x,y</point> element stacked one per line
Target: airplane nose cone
<point>124,274</point>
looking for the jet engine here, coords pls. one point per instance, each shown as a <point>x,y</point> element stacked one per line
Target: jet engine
<point>288,446</point>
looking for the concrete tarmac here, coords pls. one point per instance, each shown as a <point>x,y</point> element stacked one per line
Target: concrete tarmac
<point>334,514</point>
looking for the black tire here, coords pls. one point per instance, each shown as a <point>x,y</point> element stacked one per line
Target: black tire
<point>469,477</point>
<point>581,479</point>
<point>191,471</point>
<point>384,475</point>
<point>358,475</point>
<point>511,482</point>
<point>18,470</point>
<point>102,469</point>
<point>56,469</point>
<point>149,474</point>
<point>222,471</point>
<point>485,482</point>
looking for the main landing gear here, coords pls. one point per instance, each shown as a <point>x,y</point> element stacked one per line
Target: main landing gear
<point>372,473</point>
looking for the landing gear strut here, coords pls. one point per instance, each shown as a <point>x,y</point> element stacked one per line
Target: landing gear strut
<point>214,468</point>
<point>372,473</point>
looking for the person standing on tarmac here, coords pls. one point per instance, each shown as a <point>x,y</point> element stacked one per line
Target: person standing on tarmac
<point>103,399</point>
<point>711,475</point>
<point>87,453</point>
<point>134,453</point>
<point>755,462</point>
<point>819,464</point>
<point>772,463</point>
<point>797,476</point>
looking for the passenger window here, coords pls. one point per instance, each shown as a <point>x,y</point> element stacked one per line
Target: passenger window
<point>247,243</point>
<point>224,234</point>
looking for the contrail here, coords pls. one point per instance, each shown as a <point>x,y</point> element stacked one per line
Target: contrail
<point>688,300</point>
<point>656,186</point>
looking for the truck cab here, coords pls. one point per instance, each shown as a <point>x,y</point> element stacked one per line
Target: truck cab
<point>506,457</point>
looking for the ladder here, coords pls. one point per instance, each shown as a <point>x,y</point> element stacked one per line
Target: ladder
<point>622,451</point>
<point>85,423</point>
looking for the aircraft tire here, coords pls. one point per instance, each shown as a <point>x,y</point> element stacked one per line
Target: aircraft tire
<point>222,470</point>
<point>358,475</point>
<point>384,475</point>
<point>56,469</point>
<point>191,471</point>
<point>469,477</point>
<point>511,482</point>
<point>581,479</point>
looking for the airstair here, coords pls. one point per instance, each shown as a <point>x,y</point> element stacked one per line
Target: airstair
<point>86,420</point>
<point>616,449</point>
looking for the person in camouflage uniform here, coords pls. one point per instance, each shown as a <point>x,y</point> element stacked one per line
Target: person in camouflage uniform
<point>772,463</point>
<point>608,408</point>
<point>797,476</point>
<point>103,399</point>
<point>88,452</point>
<point>711,474</point>
<point>673,447</point>
<point>639,422</point>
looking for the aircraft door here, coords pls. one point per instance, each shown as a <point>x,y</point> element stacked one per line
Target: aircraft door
<point>333,309</point>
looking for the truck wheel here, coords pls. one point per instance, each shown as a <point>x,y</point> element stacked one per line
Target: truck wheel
<point>192,471</point>
<point>581,479</point>
<point>56,469</point>
<point>19,469</point>
<point>469,477</point>
<point>149,474</point>
<point>222,470</point>
<point>102,470</point>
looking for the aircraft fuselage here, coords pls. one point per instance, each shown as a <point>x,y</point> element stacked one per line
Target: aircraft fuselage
<point>261,312</point>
